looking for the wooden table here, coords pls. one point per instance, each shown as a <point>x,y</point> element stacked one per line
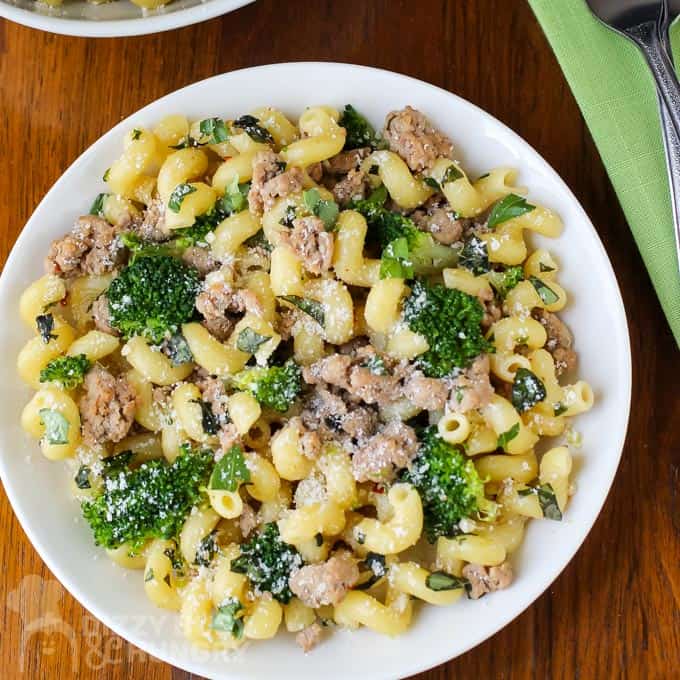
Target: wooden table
<point>615,611</point>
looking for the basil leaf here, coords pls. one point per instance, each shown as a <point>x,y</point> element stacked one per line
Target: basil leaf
<point>235,197</point>
<point>288,217</point>
<point>548,501</point>
<point>395,262</point>
<point>432,182</point>
<point>249,124</point>
<point>136,134</point>
<point>187,143</point>
<point>545,268</point>
<point>451,174</point>
<point>360,133</point>
<point>82,478</point>
<point>177,196</point>
<point>506,437</point>
<point>249,340</point>
<point>326,211</point>
<point>527,390</point>
<point>209,420</point>
<point>56,426</point>
<point>206,549</point>
<point>528,491</point>
<point>97,207</point>
<point>115,464</point>
<point>508,208</point>
<point>375,564</point>
<point>229,471</point>
<point>311,307</point>
<point>214,129</point>
<point>175,559</point>
<point>45,326</point>
<point>547,294</point>
<point>178,350</point>
<point>228,618</point>
<point>559,408</point>
<point>440,580</point>
<point>376,365</point>
<point>106,174</point>
<point>475,256</point>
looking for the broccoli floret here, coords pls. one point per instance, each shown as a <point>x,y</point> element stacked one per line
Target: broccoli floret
<point>273,386</point>
<point>268,562</point>
<point>152,297</point>
<point>448,484</point>
<point>450,321</point>
<point>68,371</point>
<point>394,232</point>
<point>151,501</point>
<point>360,132</point>
<point>503,282</point>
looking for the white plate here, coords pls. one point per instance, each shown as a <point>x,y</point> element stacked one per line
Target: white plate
<point>113,19</point>
<point>37,490</point>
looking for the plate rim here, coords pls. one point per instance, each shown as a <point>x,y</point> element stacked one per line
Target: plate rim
<point>406,668</point>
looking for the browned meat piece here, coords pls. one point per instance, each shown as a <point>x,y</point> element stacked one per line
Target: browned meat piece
<point>270,181</point>
<point>152,225</point>
<point>345,161</point>
<point>326,583</point>
<point>107,407</point>
<point>412,136</point>
<point>472,389</point>
<point>484,580</point>
<point>200,259</point>
<point>360,422</point>
<point>287,318</point>
<point>311,243</point>
<point>220,304</point>
<point>309,637</point>
<point>441,222</point>
<point>310,441</point>
<point>315,171</point>
<point>92,247</point>
<point>354,187</point>
<point>215,395</point>
<point>373,388</point>
<point>559,341</point>
<point>247,521</point>
<point>391,449</point>
<point>102,316</point>
<point>228,436</point>
<point>426,393</point>
<point>333,369</point>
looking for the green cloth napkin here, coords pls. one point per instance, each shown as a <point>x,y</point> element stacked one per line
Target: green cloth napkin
<point>616,94</point>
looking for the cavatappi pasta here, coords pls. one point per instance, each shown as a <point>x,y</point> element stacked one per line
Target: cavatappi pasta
<point>301,372</point>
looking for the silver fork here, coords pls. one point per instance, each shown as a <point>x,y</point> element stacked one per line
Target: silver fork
<point>646,24</point>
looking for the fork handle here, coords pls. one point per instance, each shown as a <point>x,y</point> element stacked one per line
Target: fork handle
<point>647,37</point>
<point>671,143</point>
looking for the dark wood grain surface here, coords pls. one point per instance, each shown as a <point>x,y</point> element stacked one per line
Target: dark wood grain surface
<point>615,611</point>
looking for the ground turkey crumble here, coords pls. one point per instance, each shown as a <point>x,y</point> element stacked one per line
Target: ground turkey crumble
<point>325,583</point>
<point>310,241</point>
<point>487,579</point>
<point>271,181</point>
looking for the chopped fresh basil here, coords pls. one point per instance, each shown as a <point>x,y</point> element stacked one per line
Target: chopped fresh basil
<point>527,491</point>
<point>229,471</point>
<point>475,256</point>
<point>97,207</point>
<point>136,134</point>
<point>82,478</point>
<point>395,262</point>
<point>548,501</point>
<point>115,464</point>
<point>209,420</point>
<point>432,182</point>
<point>559,408</point>
<point>178,350</point>
<point>508,208</point>
<point>545,268</point>
<point>360,536</point>
<point>206,549</point>
<point>527,390</point>
<point>375,565</point>
<point>547,294</point>
<point>451,174</point>
<point>214,129</point>
<point>228,618</point>
<point>249,340</point>
<point>177,196</point>
<point>257,133</point>
<point>288,217</point>
<point>506,437</point>
<point>235,197</point>
<point>376,365</point>
<point>45,326</point>
<point>311,307</point>
<point>56,426</point>
<point>484,176</point>
<point>440,580</point>
<point>148,576</point>
<point>186,143</point>
<point>326,211</point>
<point>175,559</point>
<point>318,539</point>
<point>106,174</point>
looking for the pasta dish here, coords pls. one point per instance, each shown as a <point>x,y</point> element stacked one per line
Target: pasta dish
<point>304,375</point>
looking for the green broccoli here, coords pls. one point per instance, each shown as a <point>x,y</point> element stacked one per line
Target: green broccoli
<point>405,249</point>
<point>268,562</point>
<point>151,501</point>
<point>152,297</point>
<point>273,386</point>
<point>448,484</point>
<point>360,133</point>
<point>69,371</point>
<point>504,281</point>
<point>450,321</point>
